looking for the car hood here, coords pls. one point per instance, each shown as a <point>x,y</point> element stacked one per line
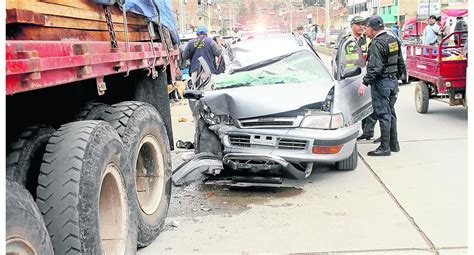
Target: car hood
<point>257,101</point>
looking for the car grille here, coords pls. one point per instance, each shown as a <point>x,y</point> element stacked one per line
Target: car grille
<point>240,140</point>
<point>291,144</point>
<point>269,122</point>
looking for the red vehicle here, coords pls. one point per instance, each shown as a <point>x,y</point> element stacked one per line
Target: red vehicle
<point>88,128</point>
<point>442,76</point>
<point>413,29</point>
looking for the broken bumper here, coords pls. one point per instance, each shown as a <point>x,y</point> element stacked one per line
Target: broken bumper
<point>293,145</point>
<point>263,162</point>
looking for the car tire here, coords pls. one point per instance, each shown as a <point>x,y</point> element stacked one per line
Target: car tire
<point>422,97</point>
<point>25,231</point>
<point>146,145</point>
<point>24,156</point>
<point>349,163</point>
<point>82,191</point>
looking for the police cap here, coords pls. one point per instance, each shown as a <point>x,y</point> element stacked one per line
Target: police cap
<point>357,20</point>
<point>375,22</point>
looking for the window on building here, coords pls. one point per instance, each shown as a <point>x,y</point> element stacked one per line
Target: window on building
<point>389,9</point>
<point>395,2</point>
<point>383,10</point>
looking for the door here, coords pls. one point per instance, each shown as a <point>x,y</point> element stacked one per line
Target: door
<point>350,68</point>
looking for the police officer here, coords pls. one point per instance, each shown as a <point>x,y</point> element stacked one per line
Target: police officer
<point>358,33</point>
<point>368,124</point>
<point>203,46</point>
<point>360,44</point>
<point>384,66</point>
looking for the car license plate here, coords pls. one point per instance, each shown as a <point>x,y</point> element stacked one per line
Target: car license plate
<point>263,140</point>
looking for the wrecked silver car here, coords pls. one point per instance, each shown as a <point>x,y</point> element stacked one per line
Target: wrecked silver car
<point>276,111</point>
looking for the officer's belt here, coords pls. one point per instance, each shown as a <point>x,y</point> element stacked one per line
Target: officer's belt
<point>390,76</point>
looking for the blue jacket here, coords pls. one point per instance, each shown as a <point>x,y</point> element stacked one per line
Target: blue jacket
<point>205,47</point>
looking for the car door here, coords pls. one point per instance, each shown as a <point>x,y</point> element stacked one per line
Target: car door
<point>350,68</point>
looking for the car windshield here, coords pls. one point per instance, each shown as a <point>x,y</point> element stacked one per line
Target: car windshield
<point>296,67</point>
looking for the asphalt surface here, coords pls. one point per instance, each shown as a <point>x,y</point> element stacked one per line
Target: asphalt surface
<point>413,202</point>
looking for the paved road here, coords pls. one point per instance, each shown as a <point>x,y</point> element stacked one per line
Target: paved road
<point>414,202</point>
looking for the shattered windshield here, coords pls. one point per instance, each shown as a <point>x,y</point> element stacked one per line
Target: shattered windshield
<point>297,67</point>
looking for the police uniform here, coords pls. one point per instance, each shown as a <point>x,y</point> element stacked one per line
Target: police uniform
<point>384,66</point>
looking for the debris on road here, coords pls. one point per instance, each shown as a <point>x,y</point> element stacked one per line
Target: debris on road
<point>184,145</point>
<point>175,223</point>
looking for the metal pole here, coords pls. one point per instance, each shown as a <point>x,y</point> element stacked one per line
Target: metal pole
<point>181,16</point>
<point>327,20</point>
<point>291,19</point>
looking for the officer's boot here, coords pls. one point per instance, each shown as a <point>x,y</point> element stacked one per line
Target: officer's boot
<point>384,148</point>
<point>394,145</point>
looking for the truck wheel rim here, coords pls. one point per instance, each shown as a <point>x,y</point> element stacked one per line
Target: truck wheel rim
<point>150,173</point>
<point>113,211</point>
<point>19,245</point>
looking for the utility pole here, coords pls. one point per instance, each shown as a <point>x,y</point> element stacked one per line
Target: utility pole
<point>291,18</point>
<point>327,20</point>
<point>182,17</point>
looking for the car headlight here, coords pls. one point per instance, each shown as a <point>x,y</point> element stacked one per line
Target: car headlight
<point>210,118</point>
<point>213,119</point>
<point>326,121</point>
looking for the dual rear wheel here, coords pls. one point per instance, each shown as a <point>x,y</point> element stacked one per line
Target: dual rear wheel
<point>104,184</point>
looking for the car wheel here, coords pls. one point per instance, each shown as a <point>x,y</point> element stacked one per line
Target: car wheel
<point>422,97</point>
<point>349,163</point>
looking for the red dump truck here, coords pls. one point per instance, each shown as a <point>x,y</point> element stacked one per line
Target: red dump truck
<point>88,127</point>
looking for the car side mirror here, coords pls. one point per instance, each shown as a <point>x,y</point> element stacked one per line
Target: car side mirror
<point>193,94</point>
<point>351,72</point>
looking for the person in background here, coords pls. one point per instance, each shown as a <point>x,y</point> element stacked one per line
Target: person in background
<point>396,28</point>
<point>430,37</point>
<point>201,46</point>
<point>461,25</point>
<point>384,66</point>
<point>300,31</point>
<point>442,30</point>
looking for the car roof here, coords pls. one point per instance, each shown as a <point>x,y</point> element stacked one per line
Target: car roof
<point>247,52</point>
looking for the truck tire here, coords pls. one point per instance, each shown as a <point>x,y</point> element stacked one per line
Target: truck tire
<point>91,111</point>
<point>349,163</point>
<point>82,194</point>
<point>25,229</point>
<point>24,156</point>
<point>422,97</point>
<point>155,92</point>
<point>146,144</point>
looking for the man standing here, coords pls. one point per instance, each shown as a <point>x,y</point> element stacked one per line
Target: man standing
<point>461,25</point>
<point>430,36</point>
<point>201,46</point>
<point>358,28</point>
<point>384,66</point>
<point>396,29</point>
<point>300,31</point>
